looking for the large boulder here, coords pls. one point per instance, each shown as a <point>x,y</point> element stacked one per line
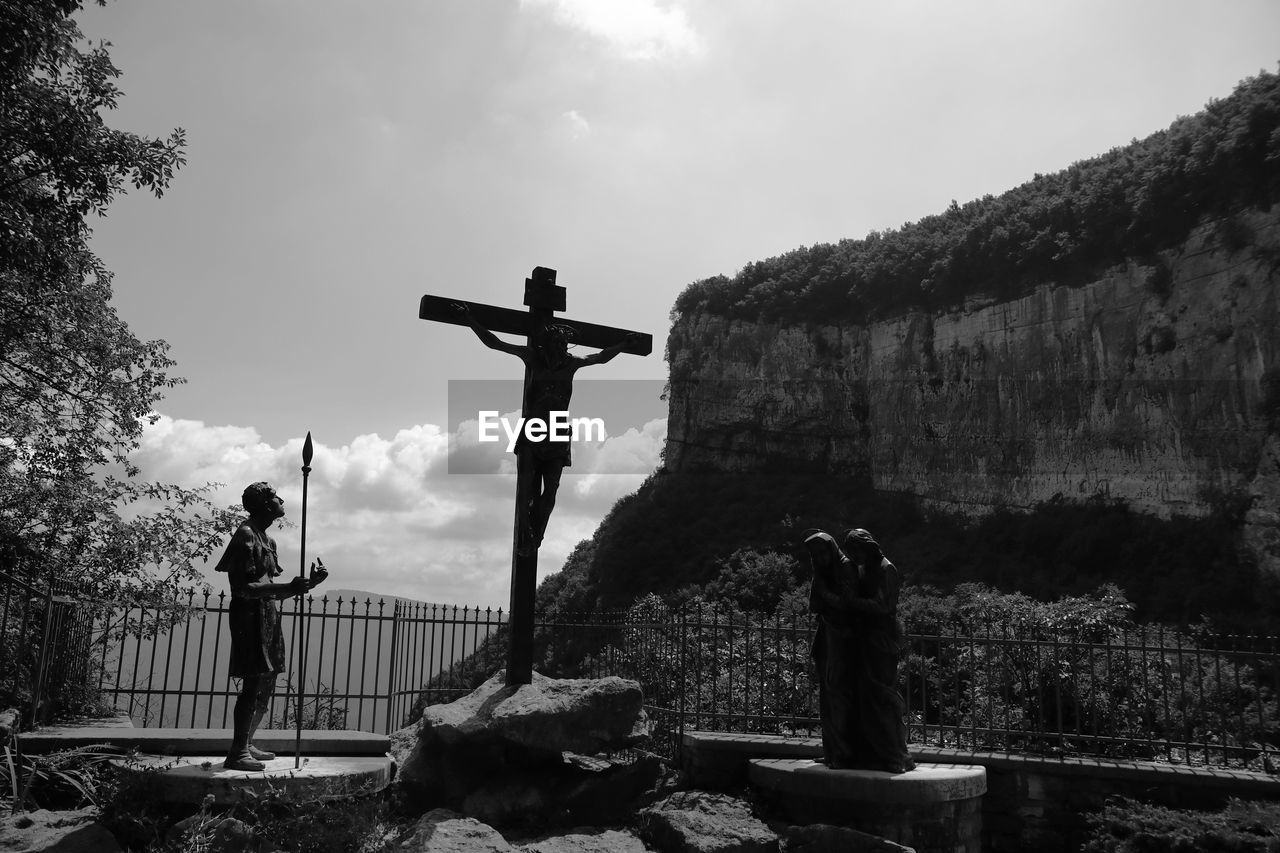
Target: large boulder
<point>573,790</point>
<point>585,841</point>
<point>443,831</point>
<point>583,715</point>
<point>533,754</point>
<point>64,832</point>
<point>704,822</point>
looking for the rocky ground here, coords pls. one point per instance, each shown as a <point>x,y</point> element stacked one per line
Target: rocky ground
<point>556,766</point>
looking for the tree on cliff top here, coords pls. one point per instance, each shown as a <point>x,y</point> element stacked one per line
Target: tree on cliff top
<point>1064,227</point>
<point>75,384</point>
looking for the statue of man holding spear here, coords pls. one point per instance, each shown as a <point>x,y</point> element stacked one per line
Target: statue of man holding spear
<point>257,643</point>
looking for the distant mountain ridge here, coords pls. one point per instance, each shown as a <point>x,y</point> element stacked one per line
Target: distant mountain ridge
<point>361,596</point>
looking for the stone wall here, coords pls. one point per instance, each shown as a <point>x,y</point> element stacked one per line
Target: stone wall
<point>1041,804</point>
<point>1149,385</point>
<point>1031,803</point>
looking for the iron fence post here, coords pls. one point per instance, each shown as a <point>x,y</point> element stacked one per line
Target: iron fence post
<point>391,675</point>
<point>42,660</point>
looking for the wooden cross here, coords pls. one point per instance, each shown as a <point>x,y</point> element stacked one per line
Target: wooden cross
<point>543,297</point>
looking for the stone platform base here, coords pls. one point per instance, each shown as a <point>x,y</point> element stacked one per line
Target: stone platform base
<point>189,779</point>
<point>936,808</point>
<point>200,742</point>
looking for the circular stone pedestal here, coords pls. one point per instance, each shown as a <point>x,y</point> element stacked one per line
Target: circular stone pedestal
<point>934,808</point>
<point>190,778</point>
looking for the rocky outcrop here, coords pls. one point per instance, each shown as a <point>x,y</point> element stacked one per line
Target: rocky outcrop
<point>66,832</point>
<point>581,715</point>
<point>537,754</point>
<point>443,831</point>
<point>587,841</point>
<point>704,822</point>
<point>1156,385</point>
<point>1262,520</point>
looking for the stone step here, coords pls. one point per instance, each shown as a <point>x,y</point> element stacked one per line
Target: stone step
<point>935,808</point>
<point>927,783</point>
<point>175,741</point>
<point>191,778</point>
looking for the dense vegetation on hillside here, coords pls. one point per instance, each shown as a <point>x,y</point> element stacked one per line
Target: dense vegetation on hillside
<point>681,535</point>
<point>1064,228</point>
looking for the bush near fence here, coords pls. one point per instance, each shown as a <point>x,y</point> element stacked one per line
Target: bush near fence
<point>1075,677</point>
<point>47,667</point>
<point>1080,677</point>
<point>1128,826</point>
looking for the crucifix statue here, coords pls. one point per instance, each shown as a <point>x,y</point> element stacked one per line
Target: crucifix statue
<point>548,384</point>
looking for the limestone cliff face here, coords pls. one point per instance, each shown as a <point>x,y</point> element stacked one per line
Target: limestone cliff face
<point>1148,385</point>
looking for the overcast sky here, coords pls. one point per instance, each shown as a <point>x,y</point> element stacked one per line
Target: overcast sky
<point>345,158</point>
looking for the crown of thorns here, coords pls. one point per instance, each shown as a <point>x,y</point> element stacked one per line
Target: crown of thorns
<point>555,330</point>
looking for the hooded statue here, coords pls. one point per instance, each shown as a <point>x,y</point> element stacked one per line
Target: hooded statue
<point>855,651</point>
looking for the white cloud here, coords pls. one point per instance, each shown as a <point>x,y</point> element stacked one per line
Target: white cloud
<point>579,127</point>
<point>386,515</point>
<point>636,29</point>
<point>626,458</point>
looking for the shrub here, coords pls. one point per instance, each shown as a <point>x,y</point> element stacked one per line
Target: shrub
<point>1160,279</point>
<point>1077,675</point>
<point>337,819</point>
<point>1128,826</point>
<point>753,580</point>
<point>68,779</point>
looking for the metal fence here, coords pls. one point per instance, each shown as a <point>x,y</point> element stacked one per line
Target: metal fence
<point>369,665</point>
<point>1138,693</point>
<point>366,661</point>
<point>44,648</point>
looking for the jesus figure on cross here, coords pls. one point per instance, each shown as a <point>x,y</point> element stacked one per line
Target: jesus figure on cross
<point>548,386</point>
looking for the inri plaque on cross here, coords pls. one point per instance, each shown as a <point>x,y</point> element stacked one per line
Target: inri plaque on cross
<point>548,380</point>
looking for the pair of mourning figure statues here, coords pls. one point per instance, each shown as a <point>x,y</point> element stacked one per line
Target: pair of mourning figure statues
<point>257,643</point>
<point>856,651</point>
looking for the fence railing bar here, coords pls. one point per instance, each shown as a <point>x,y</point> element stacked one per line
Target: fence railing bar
<point>391,681</point>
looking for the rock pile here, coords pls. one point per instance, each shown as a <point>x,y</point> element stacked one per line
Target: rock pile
<point>63,831</point>
<point>530,755</point>
<point>703,821</point>
<point>444,831</point>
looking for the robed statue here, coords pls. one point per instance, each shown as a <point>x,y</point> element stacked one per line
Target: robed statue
<point>856,650</point>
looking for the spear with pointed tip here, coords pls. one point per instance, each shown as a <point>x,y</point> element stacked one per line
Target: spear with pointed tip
<point>300,635</point>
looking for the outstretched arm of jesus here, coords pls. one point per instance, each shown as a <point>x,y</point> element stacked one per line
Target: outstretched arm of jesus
<point>608,353</point>
<point>487,337</point>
